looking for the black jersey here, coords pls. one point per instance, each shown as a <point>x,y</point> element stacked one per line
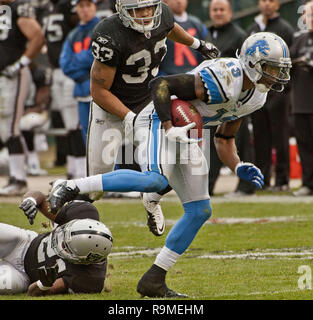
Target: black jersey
<point>12,40</point>
<point>59,19</point>
<point>77,277</point>
<point>136,58</point>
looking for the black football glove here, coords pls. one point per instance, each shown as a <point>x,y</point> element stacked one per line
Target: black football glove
<point>208,50</point>
<point>29,206</point>
<point>47,276</point>
<point>62,191</point>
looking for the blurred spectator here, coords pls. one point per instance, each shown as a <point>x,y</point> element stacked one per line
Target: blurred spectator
<point>180,58</point>
<point>60,18</point>
<point>228,37</point>
<point>76,58</point>
<point>18,47</point>
<point>275,112</point>
<point>302,98</point>
<point>36,116</point>
<point>105,8</point>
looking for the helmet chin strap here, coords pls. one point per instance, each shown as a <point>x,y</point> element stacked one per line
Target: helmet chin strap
<point>262,87</point>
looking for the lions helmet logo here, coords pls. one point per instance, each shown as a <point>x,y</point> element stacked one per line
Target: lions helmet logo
<point>261,45</point>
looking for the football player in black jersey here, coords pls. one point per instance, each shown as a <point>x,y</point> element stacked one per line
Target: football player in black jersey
<point>21,39</point>
<point>70,259</point>
<point>59,19</point>
<point>128,48</point>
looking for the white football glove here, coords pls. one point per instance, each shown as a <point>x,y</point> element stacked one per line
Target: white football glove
<point>12,70</point>
<point>128,124</point>
<point>179,134</point>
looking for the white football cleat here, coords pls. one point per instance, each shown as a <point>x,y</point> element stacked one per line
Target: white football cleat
<point>155,218</point>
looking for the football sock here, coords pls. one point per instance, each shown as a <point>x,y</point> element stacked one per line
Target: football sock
<point>80,167</point>
<point>166,258</point>
<point>17,166</point>
<point>33,160</point>
<point>70,166</point>
<point>183,232</point>
<point>123,181</point>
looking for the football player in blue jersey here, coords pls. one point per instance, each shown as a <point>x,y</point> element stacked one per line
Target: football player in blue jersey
<point>223,91</point>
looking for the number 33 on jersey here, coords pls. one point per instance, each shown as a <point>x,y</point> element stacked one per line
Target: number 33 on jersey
<point>136,58</point>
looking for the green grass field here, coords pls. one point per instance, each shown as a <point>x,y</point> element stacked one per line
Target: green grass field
<point>250,251</point>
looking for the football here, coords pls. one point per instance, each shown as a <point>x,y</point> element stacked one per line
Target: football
<point>183,113</point>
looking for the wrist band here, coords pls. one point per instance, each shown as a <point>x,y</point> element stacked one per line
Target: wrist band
<point>41,286</point>
<point>31,199</point>
<point>238,164</point>
<point>25,61</point>
<point>195,44</point>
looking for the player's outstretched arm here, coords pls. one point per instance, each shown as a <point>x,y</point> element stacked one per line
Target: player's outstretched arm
<point>34,201</point>
<point>48,282</point>
<point>226,149</point>
<point>178,34</point>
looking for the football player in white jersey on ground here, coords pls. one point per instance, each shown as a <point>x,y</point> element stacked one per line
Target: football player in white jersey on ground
<point>222,90</point>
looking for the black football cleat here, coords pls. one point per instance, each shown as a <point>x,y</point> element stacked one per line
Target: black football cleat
<point>152,284</point>
<point>62,192</point>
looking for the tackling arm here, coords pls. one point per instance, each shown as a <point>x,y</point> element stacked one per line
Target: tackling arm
<point>178,34</point>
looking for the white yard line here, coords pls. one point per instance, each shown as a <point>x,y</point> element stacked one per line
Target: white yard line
<point>257,293</point>
<point>229,220</point>
<point>283,253</point>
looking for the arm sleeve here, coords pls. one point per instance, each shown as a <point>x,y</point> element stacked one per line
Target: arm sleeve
<point>162,88</point>
<point>85,278</point>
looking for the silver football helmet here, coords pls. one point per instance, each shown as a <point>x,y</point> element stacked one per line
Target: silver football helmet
<point>260,52</point>
<point>82,241</point>
<point>123,8</point>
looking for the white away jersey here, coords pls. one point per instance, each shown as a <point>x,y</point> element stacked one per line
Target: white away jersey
<point>223,79</point>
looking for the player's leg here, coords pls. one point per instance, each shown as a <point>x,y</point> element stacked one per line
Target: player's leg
<point>14,242</point>
<point>13,97</point>
<point>103,141</point>
<point>190,181</point>
<point>77,150</point>
<point>12,281</point>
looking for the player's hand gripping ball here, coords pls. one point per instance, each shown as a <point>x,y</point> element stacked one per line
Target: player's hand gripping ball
<point>184,113</point>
